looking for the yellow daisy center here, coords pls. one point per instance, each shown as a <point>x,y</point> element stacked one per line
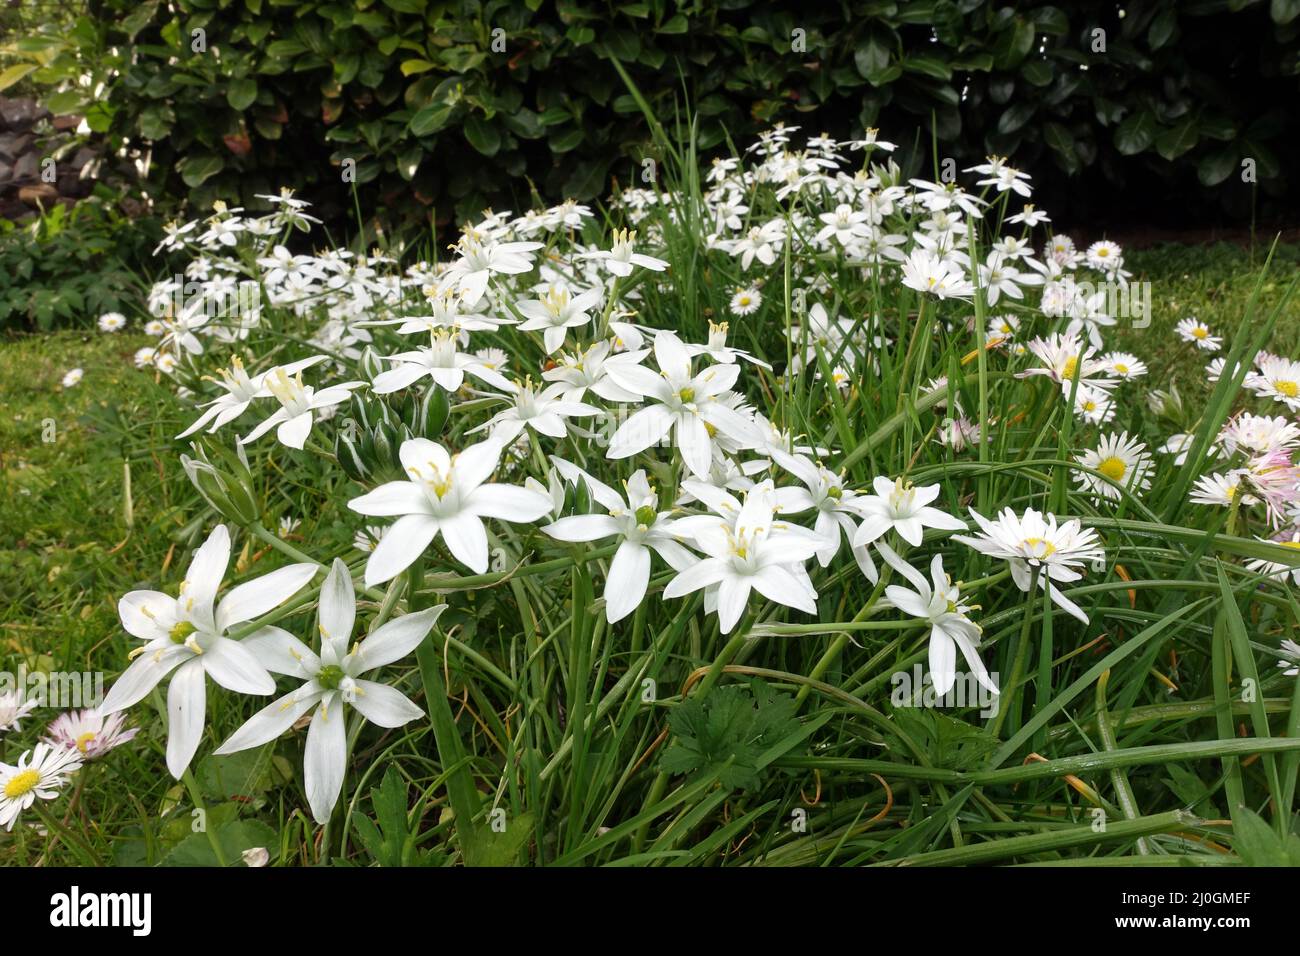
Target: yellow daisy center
<point>1200,332</point>
<point>1289,389</point>
<point>1113,468</point>
<point>22,783</point>
<point>1121,368</point>
<point>84,740</point>
<point>1041,545</point>
<point>1068,369</point>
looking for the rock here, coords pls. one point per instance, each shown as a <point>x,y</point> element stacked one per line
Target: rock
<point>65,123</point>
<point>38,195</point>
<point>21,113</point>
<point>13,145</point>
<point>28,167</point>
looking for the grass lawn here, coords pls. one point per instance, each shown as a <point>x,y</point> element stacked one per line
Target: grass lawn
<point>89,490</point>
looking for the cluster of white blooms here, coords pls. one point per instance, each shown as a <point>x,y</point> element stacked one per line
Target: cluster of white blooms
<point>528,380</point>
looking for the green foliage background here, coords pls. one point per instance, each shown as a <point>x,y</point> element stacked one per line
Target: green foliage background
<point>434,116</point>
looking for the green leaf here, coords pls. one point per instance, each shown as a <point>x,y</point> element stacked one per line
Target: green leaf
<point>1015,117</point>
<point>430,119</point>
<point>928,65</point>
<point>1136,133</point>
<point>482,134</point>
<point>1173,142</point>
<point>198,169</point>
<point>11,75</point>
<point>241,94</point>
<point>1284,11</point>
<point>1257,844</point>
<point>234,838</point>
<point>1162,29</point>
<point>1216,167</point>
<point>729,733</point>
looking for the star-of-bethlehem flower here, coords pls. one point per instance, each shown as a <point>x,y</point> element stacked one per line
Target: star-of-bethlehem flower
<point>1035,542</point>
<point>836,506</point>
<point>241,390</point>
<point>544,411</point>
<point>900,507</point>
<point>757,554</point>
<point>332,683</point>
<point>620,259</point>
<point>641,527</point>
<point>441,361</point>
<point>447,495</point>
<point>186,637</point>
<point>557,311</point>
<point>685,404</point>
<point>298,403</point>
<point>950,628</point>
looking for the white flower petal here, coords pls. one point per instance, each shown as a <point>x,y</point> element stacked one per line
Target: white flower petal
<point>254,598</point>
<point>394,640</point>
<point>401,544</point>
<point>325,758</point>
<point>186,702</point>
<point>383,705</point>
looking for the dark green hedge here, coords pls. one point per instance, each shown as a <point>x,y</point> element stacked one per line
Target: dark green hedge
<point>435,114</point>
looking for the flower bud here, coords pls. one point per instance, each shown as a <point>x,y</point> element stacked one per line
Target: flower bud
<point>229,490</point>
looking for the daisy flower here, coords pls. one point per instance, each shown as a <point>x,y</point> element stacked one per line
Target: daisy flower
<point>1259,434</point>
<point>13,708</point>
<point>1124,463</point>
<point>1276,570</point>
<point>89,732</point>
<point>746,301</point>
<point>1198,333</point>
<point>112,322</point>
<point>1093,404</point>
<point>1220,489</point>
<point>1034,542</point>
<point>73,377</point>
<point>1124,365</point>
<point>1104,256</point>
<point>39,775</point>
<point>1279,379</point>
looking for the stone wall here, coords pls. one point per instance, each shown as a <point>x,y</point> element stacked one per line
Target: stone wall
<point>29,134</point>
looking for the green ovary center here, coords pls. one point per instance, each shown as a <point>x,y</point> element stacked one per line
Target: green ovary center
<point>180,631</point>
<point>330,676</point>
<point>645,515</point>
